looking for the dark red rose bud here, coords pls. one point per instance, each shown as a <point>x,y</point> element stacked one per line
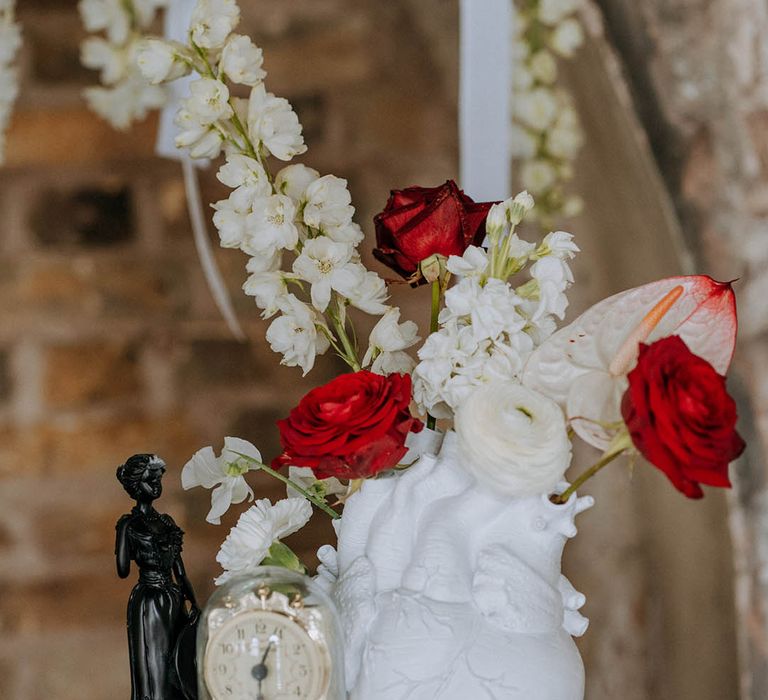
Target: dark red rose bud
<point>681,417</point>
<point>352,428</point>
<point>422,221</point>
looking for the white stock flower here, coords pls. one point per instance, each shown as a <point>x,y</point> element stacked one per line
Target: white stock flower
<point>473,263</point>
<point>513,439</point>
<point>242,60</point>
<point>98,54</point>
<point>397,362</point>
<point>270,227</point>
<point>364,289</point>
<point>293,180</point>
<point>208,100</point>
<point>258,528</point>
<point>247,177</point>
<point>225,473</point>
<point>323,263</point>
<point>553,277</point>
<point>328,203</point>
<point>294,334</point>
<point>536,109</point>
<point>273,124</point>
<point>567,37</point>
<point>552,11</point>
<point>559,244</point>
<point>389,335</point>
<point>160,60</point>
<point>213,21</point>
<point>538,175</point>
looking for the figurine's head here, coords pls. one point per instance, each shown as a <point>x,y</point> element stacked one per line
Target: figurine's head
<point>141,476</point>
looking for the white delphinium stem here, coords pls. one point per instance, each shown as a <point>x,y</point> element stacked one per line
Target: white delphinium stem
<point>10,42</point>
<point>296,225</point>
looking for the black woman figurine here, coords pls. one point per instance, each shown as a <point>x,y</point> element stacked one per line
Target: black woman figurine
<point>159,619</point>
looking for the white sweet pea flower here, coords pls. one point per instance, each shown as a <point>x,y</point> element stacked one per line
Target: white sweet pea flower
<point>200,139</point>
<point>270,227</point>
<point>389,335</point>
<point>328,203</point>
<point>225,473</point>
<point>397,362</point>
<point>241,61</point>
<point>213,21</point>
<point>513,439</point>
<point>293,180</point>
<point>567,37</point>
<point>273,124</point>
<point>247,177</point>
<point>323,263</point>
<point>473,263</point>
<point>364,289</point>
<point>108,15</point>
<point>294,334</point>
<point>256,531</point>
<point>305,477</point>
<point>98,54</point>
<point>208,100</point>
<point>160,60</point>
<point>537,108</point>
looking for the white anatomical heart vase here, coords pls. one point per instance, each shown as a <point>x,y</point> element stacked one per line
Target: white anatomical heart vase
<point>448,590</point>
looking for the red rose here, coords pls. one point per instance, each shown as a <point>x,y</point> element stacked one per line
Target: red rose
<point>421,221</point>
<point>680,416</point>
<point>352,428</point>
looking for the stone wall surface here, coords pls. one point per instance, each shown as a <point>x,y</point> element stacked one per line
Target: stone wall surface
<point>110,343</point>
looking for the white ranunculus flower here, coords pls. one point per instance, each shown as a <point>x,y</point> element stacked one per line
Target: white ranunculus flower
<point>537,108</point>
<point>98,54</point>
<point>270,227</point>
<point>241,60</point>
<point>273,124</point>
<point>294,334</point>
<point>567,37</point>
<point>364,289</point>
<point>293,180</point>
<point>160,60</point>
<point>213,21</point>
<point>328,203</point>
<point>225,473</point>
<point>389,335</point>
<point>257,529</point>
<point>513,439</point>
<point>324,264</point>
<point>208,100</point>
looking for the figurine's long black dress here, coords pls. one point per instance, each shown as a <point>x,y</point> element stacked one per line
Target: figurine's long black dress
<point>156,610</point>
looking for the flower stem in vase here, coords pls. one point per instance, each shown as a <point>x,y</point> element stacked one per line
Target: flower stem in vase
<point>433,327</point>
<point>621,443</point>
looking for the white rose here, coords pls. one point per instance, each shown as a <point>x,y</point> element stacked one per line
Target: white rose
<point>513,439</point>
<point>241,60</point>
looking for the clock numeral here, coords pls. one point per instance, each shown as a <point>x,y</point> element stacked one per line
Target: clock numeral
<point>240,633</point>
<point>221,669</point>
<point>227,649</point>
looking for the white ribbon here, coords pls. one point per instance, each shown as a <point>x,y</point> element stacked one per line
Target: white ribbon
<point>485,75</point>
<point>177,20</point>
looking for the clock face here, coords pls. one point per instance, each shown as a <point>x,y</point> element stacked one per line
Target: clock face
<point>265,655</point>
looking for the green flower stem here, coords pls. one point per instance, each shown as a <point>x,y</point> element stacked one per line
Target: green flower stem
<point>349,354</point>
<point>322,505</point>
<point>620,444</point>
<point>433,326</point>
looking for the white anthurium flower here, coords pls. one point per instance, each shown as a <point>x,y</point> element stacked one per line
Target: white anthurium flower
<point>513,439</point>
<point>98,54</point>
<point>224,474</point>
<point>230,221</point>
<point>324,264</point>
<point>293,180</point>
<point>583,366</point>
<point>209,100</point>
<point>160,60</point>
<point>273,124</point>
<point>567,37</point>
<point>266,288</point>
<point>473,263</point>
<point>108,15</point>
<point>364,289</point>
<point>213,21</point>
<point>294,334</point>
<point>538,175</point>
<point>397,362</point>
<point>389,335</point>
<point>241,61</point>
<point>537,108</point>
<point>248,542</point>
<point>328,203</point>
<point>247,177</point>
<point>270,227</point>
<point>305,477</point>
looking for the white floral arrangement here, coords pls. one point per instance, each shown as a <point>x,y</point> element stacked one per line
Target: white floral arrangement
<point>10,43</point>
<point>546,132</point>
<point>124,96</point>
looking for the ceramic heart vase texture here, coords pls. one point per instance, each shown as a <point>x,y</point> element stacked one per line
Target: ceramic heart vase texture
<point>449,590</point>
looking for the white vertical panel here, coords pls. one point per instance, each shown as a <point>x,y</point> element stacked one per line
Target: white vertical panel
<point>484,98</point>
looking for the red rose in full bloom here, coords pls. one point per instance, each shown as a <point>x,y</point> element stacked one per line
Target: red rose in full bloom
<point>421,221</point>
<point>681,417</point>
<point>352,428</point>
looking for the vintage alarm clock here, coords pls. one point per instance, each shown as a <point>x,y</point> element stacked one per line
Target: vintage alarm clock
<point>271,635</point>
